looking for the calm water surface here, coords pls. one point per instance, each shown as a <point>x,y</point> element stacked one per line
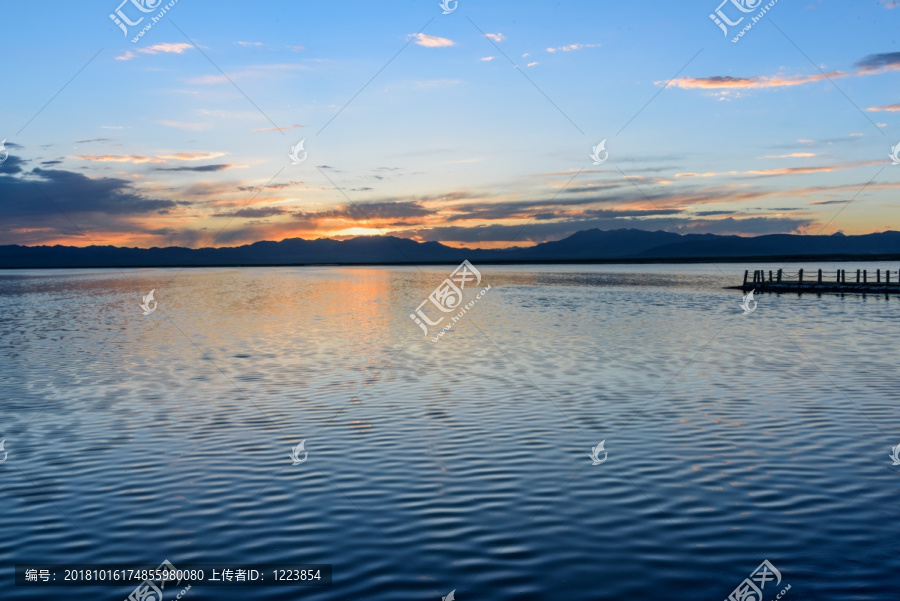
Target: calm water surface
<point>461,464</point>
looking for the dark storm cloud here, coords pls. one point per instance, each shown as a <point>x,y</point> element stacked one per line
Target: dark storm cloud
<point>371,210</point>
<point>253,213</point>
<point>751,225</point>
<point>829,202</point>
<point>11,165</point>
<point>878,62</point>
<point>66,202</point>
<point>542,232</point>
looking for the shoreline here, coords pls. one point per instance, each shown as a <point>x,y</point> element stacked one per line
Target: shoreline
<point>617,261</point>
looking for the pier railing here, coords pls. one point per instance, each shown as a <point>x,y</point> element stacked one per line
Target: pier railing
<point>839,280</point>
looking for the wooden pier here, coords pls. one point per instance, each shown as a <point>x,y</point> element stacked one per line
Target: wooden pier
<point>880,281</point>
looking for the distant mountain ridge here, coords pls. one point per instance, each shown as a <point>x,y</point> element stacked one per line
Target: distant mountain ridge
<point>587,245</point>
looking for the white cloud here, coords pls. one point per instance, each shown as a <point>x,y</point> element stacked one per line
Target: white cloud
<point>207,79</point>
<point>487,58</point>
<point>168,48</point>
<point>191,156</point>
<point>156,49</point>
<point>572,47</point>
<point>793,155</point>
<point>245,44</point>
<point>497,37</point>
<point>431,41</point>
<point>279,128</point>
<point>532,64</point>
<point>185,125</point>
<point>437,83</point>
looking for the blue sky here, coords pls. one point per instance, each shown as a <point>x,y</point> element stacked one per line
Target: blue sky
<point>149,144</point>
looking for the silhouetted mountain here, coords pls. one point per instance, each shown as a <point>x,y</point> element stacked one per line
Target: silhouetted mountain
<point>588,245</point>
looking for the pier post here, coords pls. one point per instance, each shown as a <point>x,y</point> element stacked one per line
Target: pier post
<point>864,276</point>
<point>857,276</point>
<point>770,275</point>
<point>877,276</point>
<point>820,276</point>
<point>801,277</point>
<point>746,273</point>
<point>887,276</point>
<point>779,276</point>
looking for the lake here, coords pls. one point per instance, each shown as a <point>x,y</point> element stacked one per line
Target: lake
<point>457,465</point>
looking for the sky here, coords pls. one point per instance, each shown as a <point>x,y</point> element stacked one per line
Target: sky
<point>473,128</point>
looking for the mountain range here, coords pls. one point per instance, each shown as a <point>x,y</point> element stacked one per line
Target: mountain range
<point>623,245</point>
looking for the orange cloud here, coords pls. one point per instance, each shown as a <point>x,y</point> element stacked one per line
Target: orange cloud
<point>109,158</point>
<point>821,169</point>
<point>793,170</point>
<point>786,170</point>
<point>159,158</point>
<point>870,65</point>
